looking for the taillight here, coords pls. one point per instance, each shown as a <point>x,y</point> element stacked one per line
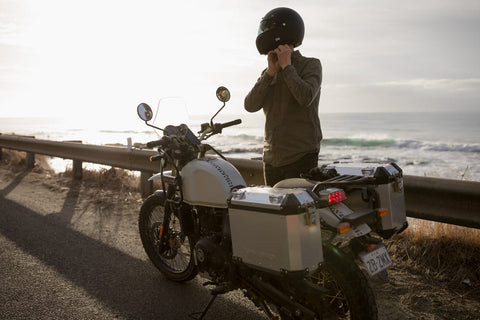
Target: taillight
<point>337,197</point>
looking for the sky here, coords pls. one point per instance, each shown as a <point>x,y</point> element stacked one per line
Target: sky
<point>99,59</point>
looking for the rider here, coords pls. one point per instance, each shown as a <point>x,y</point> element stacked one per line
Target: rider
<point>288,91</point>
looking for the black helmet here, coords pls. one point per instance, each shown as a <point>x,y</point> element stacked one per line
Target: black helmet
<point>280,26</point>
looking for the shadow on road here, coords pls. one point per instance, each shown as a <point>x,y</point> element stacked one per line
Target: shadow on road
<point>129,286</point>
<point>15,182</point>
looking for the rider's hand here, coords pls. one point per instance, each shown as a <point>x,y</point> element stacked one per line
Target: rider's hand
<point>284,55</point>
<point>273,66</point>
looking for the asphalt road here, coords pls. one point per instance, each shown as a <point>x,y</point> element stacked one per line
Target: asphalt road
<point>72,251</point>
<point>64,255</point>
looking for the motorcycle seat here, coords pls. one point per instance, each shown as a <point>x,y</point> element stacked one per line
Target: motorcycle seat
<point>296,183</point>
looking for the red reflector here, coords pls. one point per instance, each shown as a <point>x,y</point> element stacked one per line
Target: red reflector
<point>337,196</point>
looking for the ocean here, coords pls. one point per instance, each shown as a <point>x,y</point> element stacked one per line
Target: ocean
<point>445,145</point>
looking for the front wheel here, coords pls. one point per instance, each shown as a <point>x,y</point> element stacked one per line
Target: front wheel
<point>171,253</point>
<point>350,295</point>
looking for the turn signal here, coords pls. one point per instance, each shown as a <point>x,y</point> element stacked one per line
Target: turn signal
<point>343,228</point>
<point>156,158</point>
<point>382,212</point>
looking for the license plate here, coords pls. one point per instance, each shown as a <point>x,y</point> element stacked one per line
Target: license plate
<point>376,260</point>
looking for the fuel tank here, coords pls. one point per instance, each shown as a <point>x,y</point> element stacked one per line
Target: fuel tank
<point>208,182</point>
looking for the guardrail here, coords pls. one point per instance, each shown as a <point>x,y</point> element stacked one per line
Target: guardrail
<point>443,200</point>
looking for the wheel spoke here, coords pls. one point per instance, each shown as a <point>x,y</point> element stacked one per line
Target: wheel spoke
<point>176,253</point>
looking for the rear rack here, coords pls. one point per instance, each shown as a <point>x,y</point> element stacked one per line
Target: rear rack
<point>345,180</point>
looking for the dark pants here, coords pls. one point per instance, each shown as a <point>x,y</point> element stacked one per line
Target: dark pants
<point>273,174</point>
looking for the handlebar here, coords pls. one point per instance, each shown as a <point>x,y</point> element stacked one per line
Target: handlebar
<point>219,126</point>
<point>153,144</point>
<point>231,123</point>
<point>162,142</point>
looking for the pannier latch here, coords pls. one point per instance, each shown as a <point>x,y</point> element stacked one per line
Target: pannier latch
<point>310,216</point>
<point>398,184</point>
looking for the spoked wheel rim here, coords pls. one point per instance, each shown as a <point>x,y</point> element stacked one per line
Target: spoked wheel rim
<point>175,252</point>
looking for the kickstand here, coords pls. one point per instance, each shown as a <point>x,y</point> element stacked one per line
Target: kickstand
<point>204,313</point>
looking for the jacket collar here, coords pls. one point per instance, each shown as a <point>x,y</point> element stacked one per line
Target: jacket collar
<point>296,55</point>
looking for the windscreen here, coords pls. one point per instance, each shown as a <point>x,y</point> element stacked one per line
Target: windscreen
<point>171,111</point>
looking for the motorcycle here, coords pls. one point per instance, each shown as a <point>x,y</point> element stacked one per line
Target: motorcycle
<point>301,249</point>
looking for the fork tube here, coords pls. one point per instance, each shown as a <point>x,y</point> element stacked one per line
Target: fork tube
<point>168,212</point>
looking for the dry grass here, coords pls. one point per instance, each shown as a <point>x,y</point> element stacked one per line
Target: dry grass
<point>104,188</point>
<point>446,252</point>
<point>16,161</point>
<point>107,188</point>
<point>114,179</point>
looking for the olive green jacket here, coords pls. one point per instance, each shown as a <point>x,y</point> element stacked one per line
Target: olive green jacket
<point>290,103</point>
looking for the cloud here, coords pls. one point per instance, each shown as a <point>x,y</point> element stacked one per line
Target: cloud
<point>427,95</point>
<point>452,85</point>
<point>390,40</point>
<point>376,54</point>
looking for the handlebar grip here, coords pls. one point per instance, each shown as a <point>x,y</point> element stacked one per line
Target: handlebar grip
<point>153,144</point>
<point>231,123</point>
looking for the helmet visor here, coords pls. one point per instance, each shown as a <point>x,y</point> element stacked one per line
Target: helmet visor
<point>266,25</point>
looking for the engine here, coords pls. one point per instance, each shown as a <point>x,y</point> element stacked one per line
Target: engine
<point>213,251</point>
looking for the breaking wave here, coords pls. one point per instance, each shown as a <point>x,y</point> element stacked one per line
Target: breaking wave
<point>359,142</point>
<point>404,144</point>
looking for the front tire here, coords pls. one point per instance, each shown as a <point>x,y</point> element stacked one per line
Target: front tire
<point>173,257</point>
<point>350,295</point>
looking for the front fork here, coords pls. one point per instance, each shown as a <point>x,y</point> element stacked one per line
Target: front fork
<point>164,233</point>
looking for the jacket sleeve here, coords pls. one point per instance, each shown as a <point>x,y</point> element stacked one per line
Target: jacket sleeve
<point>254,99</point>
<point>305,86</point>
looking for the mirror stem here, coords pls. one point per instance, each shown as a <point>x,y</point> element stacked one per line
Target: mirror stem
<point>211,120</point>
<point>151,125</point>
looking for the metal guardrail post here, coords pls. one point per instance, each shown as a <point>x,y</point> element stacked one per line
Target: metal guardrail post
<point>30,160</point>
<point>77,165</point>
<point>77,168</point>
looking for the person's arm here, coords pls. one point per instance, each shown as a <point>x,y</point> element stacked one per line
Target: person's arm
<point>305,87</point>
<point>254,99</point>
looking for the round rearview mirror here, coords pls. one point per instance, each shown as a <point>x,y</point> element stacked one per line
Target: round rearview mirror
<point>223,94</point>
<point>144,112</point>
